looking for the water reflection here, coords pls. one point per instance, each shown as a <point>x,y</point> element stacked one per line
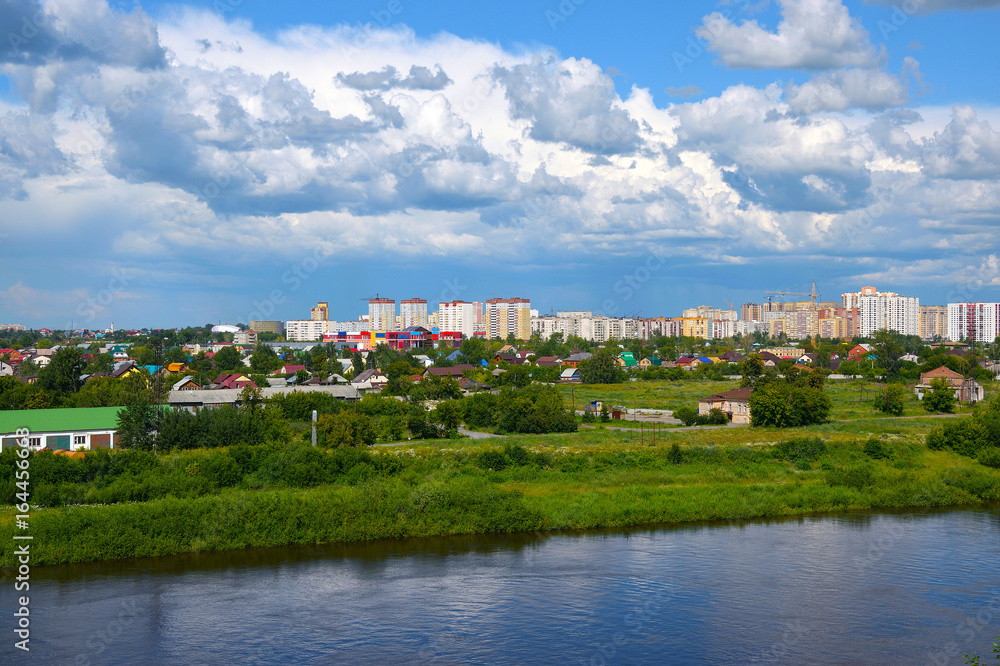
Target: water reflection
<point>845,588</point>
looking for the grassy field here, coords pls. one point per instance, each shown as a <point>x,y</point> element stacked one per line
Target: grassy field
<point>645,395</point>
<point>590,479</point>
<point>851,399</point>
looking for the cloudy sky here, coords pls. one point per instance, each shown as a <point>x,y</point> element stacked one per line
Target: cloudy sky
<point>168,164</point>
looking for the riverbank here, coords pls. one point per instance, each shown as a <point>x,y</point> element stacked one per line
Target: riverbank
<point>591,479</point>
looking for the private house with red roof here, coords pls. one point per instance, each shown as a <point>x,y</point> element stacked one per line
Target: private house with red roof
<point>735,404</point>
<point>452,371</point>
<point>966,389</point>
<point>234,380</point>
<point>859,353</point>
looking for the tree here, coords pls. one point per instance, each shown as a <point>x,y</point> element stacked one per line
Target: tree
<point>473,351</point>
<point>601,368</point>
<point>358,363</point>
<point>752,371</point>
<point>687,415</point>
<point>779,404</point>
<point>137,426</point>
<point>229,360</point>
<point>891,399</point>
<point>941,397</point>
<point>62,375</point>
<point>346,429</point>
<point>398,374</point>
<point>887,349</point>
<point>448,414</point>
<point>264,360</point>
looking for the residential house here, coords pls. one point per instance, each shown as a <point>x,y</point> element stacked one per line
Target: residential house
<point>570,375</point>
<point>290,369</point>
<point>450,371</point>
<point>650,362</point>
<point>194,400</point>
<point>177,368</point>
<point>735,404</point>
<point>576,359</point>
<point>6,369</point>
<point>627,360</point>
<point>124,369</point>
<point>187,384</point>
<point>510,359</point>
<point>966,389</point>
<point>547,361</point>
<point>859,352</point>
<point>731,357</point>
<point>374,377</point>
<point>233,380</point>
<point>79,429</point>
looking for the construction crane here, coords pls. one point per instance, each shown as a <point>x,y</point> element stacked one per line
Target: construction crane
<point>812,294</point>
<point>730,305</point>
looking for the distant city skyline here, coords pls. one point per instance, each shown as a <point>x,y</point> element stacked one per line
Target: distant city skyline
<point>166,163</point>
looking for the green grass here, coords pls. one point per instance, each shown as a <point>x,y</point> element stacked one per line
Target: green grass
<point>645,395</point>
<point>589,479</point>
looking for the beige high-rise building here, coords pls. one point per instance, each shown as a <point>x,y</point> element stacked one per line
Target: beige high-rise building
<point>504,316</point>
<point>458,316</point>
<point>321,312</point>
<point>413,312</point>
<point>933,322</point>
<point>752,312</point>
<point>382,314</point>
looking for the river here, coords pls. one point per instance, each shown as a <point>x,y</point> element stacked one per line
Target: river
<point>888,588</point>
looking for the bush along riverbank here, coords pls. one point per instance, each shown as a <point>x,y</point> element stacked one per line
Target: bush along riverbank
<point>137,504</point>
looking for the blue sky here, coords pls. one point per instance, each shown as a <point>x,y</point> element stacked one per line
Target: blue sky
<point>166,164</point>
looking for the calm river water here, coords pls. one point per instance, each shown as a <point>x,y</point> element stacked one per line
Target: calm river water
<point>904,588</point>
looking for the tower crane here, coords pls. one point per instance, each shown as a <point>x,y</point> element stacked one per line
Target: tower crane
<point>811,294</point>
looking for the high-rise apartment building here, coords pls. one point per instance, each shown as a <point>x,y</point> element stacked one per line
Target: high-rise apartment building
<point>884,310</point>
<point>276,327</point>
<point>503,316</point>
<point>752,312</point>
<point>413,312</point>
<point>979,322</point>
<point>933,322</point>
<point>321,312</point>
<point>382,314</point>
<point>459,316</point>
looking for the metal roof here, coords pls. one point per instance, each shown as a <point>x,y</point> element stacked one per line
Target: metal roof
<point>60,420</point>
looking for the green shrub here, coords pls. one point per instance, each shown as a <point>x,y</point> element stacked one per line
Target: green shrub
<point>800,448</point>
<point>492,459</point>
<point>989,457</point>
<point>859,477</point>
<point>876,450</point>
<point>687,415</point>
<point>675,456</point>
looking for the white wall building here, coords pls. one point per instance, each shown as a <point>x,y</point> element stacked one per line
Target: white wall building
<point>459,316</point>
<point>884,310</point>
<point>973,321</point>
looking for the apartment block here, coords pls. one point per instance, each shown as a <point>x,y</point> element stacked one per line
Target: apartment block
<point>752,312</point>
<point>304,330</point>
<point>884,310</point>
<point>413,312</point>
<point>978,322</point>
<point>382,314</point>
<point>460,316</point>
<point>933,322</point>
<point>276,327</point>
<point>504,316</point>
<point>321,312</point>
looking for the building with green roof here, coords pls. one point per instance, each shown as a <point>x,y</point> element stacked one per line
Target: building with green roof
<point>84,428</point>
